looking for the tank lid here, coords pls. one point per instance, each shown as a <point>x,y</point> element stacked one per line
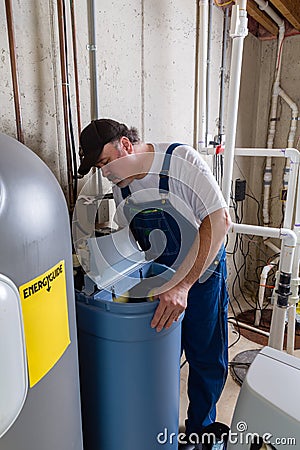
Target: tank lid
<point>112,256</point>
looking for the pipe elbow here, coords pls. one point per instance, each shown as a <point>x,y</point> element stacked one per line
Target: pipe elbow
<point>293,154</point>
<point>288,237</point>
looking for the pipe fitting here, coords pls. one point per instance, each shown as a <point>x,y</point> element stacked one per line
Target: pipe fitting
<point>262,4</point>
<point>288,236</point>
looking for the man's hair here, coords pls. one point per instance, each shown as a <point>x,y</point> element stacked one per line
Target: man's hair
<point>132,134</point>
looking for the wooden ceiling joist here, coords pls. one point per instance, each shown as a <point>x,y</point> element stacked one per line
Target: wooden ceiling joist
<point>290,9</point>
<point>257,14</point>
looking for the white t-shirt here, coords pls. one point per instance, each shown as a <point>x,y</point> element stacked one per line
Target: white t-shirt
<point>193,190</point>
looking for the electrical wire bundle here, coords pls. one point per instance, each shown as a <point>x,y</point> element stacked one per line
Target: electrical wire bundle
<point>243,243</point>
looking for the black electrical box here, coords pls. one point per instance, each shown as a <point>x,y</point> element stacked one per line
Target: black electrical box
<point>240,190</point>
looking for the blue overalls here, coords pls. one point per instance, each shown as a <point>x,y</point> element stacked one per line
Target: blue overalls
<point>204,327</point>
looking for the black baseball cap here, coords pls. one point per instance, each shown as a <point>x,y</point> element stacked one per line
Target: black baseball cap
<point>93,138</point>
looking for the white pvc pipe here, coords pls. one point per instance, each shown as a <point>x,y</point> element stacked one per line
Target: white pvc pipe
<point>261,292</point>
<point>277,327</point>
<point>271,246</point>
<point>294,114</point>
<point>239,9</point>
<point>288,236</point>
<point>203,40</point>
<point>290,342</point>
<point>248,327</point>
<point>291,193</point>
<point>292,133</point>
<point>291,153</point>
<point>264,6</point>
<point>294,297</point>
<point>289,239</point>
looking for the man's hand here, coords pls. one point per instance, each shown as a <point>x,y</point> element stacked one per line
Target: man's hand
<point>172,303</point>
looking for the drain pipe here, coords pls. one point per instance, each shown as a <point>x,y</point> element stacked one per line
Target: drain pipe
<point>261,291</point>
<point>289,240</point>
<point>264,6</point>
<point>14,71</point>
<point>291,136</point>
<point>238,32</point>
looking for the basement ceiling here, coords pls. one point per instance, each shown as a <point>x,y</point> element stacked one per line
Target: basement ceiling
<point>263,27</point>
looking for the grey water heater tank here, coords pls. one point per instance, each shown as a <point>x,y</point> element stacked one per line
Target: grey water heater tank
<point>39,386</point>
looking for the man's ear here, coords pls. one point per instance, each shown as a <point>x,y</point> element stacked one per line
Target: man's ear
<point>126,144</point>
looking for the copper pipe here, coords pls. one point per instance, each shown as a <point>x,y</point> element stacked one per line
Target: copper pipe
<point>14,72</point>
<point>73,24</point>
<point>62,40</point>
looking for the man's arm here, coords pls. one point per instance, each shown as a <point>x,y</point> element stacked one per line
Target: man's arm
<point>173,296</point>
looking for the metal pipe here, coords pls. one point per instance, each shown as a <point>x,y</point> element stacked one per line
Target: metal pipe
<point>92,48</point>
<point>73,25</point>
<point>222,77</point>
<point>14,70</point>
<point>208,67</point>
<point>196,91</point>
<point>62,43</point>
<point>203,25</point>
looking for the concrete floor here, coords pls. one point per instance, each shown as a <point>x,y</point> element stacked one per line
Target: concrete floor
<point>227,402</point>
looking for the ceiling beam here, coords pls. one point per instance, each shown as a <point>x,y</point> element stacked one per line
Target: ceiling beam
<point>290,9</point>
<point>264,20</point>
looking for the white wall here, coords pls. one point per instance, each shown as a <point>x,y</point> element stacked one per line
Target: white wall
<point>146,71</point>
<point>146,74</point>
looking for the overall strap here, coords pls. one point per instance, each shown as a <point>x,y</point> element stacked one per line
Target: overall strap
<point>164,174</point>
<point>125,191</point>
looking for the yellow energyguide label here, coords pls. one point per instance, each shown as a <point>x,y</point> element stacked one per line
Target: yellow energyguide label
<point>45,317</point>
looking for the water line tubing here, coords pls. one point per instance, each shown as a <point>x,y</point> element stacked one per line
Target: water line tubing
<point>14,71</point>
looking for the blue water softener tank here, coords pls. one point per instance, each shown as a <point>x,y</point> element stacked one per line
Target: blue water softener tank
<point>39,378</point>
<point>129,372</point>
